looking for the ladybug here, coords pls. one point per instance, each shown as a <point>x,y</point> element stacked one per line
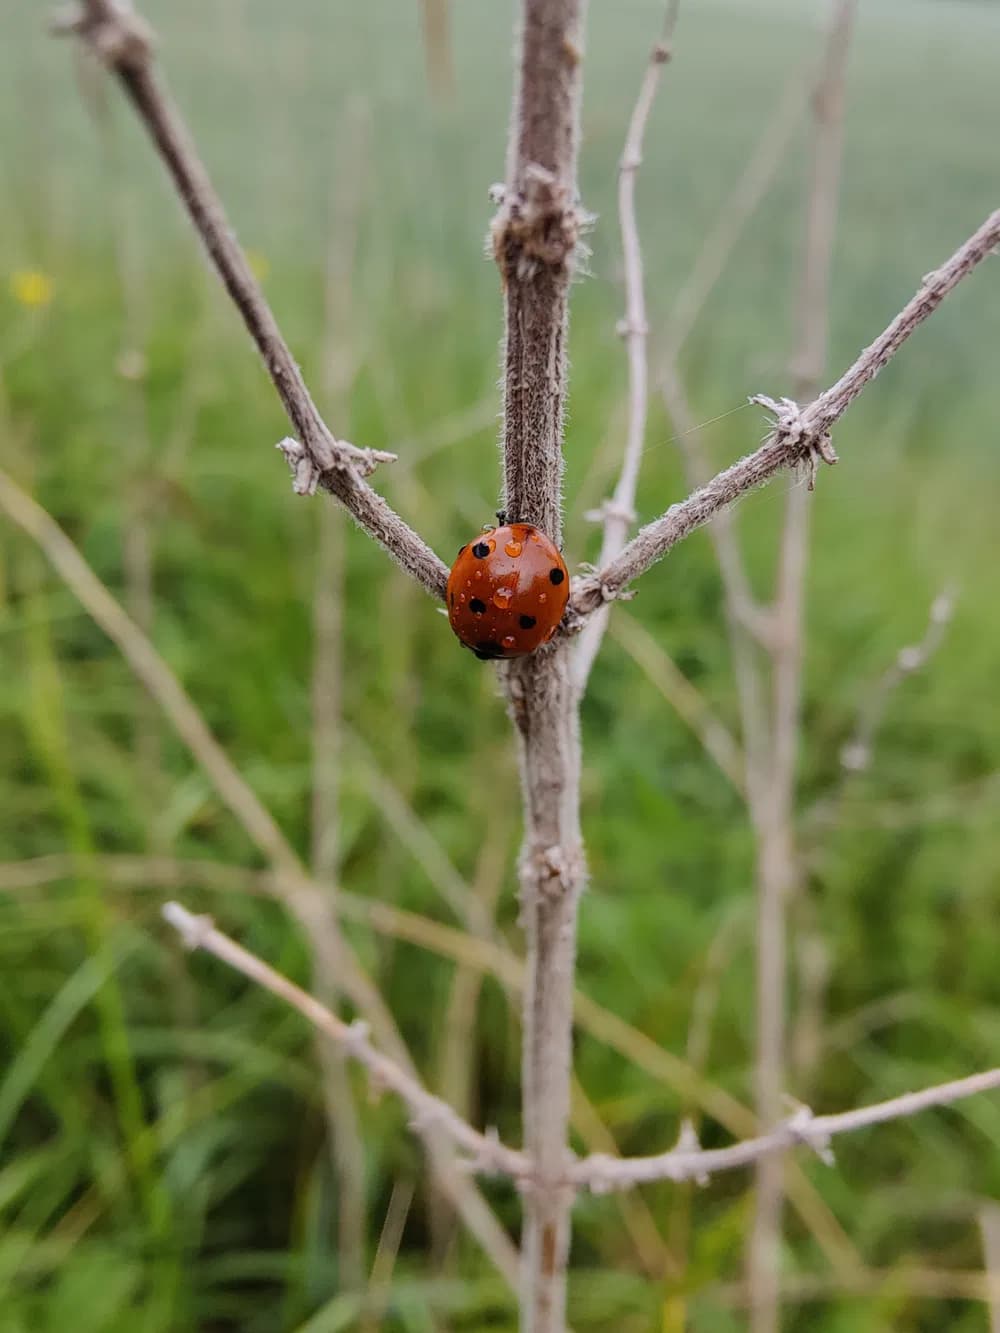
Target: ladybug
<point>507,591</point>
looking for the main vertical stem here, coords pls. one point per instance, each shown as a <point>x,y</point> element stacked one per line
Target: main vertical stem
<point>534,237</point>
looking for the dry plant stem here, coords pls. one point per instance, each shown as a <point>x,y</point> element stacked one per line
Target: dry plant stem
<point>618,512</point>
<point>758,176</point>
<point>929,1284</point>
<point>138,484</point>
<point>487,1154</point>
<point>534,237</point>
<point>123,42</point>
<point>989,1226</point>
<point>346,1143</point>
<point>744,619</point>
<point>148,873</point>
<point>689,705</point>
<point>856,755</point>
<point>384,1263</point>
<point>740,606</point>
<point>773,807</point>
<point>797,437</point>
<point>801,1128</point>
<point>483,1152</point>
<point>306,901</point>
<point>435,21</point>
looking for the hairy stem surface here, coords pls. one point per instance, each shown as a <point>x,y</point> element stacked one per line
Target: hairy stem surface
<point>534,236</point>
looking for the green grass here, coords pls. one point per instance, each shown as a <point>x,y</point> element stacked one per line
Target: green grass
<point>163,1162</point>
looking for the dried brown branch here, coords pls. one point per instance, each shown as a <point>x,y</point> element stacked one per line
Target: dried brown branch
<point>481,956</point>
<point>903,1280</point>
<point>746,623</point>
<point>802,1127</point>
<point>435,21</point>
<point>773,802</point>
<point>856,755</point>
<point>618,513</point>
<point>484,1152</point>
<point>797,435</point>
<point>317,458</point>
<point>345,1140</point>
<point>307,903</point>
<point>742,610</point>
<point>737,210</point>
<point>535,234</point>
<point>989,1226</point>
<point>688,703</point>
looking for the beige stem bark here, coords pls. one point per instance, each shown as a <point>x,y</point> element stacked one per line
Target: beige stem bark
<point>534,235</point>
<point>303,898</point>
<point>773,809</point>
<point>799,436</point>
<point>618,512</point>
<point>124,43</point>
<point>344,1131</point>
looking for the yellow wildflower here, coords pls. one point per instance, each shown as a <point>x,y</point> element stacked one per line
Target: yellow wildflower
<point>31,287</point>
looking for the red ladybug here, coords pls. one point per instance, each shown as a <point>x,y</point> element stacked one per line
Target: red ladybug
<point>507,591</point>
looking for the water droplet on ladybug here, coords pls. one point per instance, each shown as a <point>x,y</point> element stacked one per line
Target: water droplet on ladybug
<point>543,596</point>
<point>508,641</point>
<point>501,598</point>
<point>513,549</point>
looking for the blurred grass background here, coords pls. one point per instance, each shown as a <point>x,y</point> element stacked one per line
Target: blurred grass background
<point>163,1160</point>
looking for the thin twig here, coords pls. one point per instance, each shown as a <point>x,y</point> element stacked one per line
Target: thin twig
<point>496,959</point>
<point>345,1140</point>
<point>773,805</point>
<point>386,1254</point>
<point>485,1153</point>
<point>689,704</point>
<point>618,513</point>
<point>802,1127</point>
<point>150,668</point>
<point>435,22</point>
<point>902,1281</point>
<point>797,435</point>
<point>989,1226</point>
<point>742,610</point>
<point>307,903</point>
<point>856,754</point>
<point>734,214</point>
<point>318,458</point>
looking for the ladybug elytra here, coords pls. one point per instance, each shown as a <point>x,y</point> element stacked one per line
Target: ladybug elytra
<point>507,591</point>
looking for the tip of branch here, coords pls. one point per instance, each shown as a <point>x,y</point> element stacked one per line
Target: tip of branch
<point>943,607</point>
<point>119,38</point>
<point>192,929</point>
<point>307,472</point>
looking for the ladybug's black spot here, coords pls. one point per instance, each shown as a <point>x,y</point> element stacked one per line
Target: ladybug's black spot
<point>480,550</point>
<point>477,607</point>
<point>528,622</point>
<point>460,550</point>
<point>556,576</point>
<point>488,650</point>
